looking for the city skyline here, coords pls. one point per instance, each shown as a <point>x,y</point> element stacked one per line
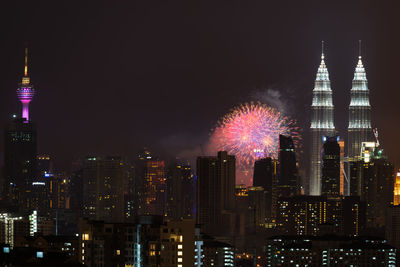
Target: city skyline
<point>199,134</point>
<point>110,88</point>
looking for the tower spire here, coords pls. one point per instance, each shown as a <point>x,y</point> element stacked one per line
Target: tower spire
<point>359,49</point>
<point>26,62</point>
<point>25,78</point>
<point>322,49</point>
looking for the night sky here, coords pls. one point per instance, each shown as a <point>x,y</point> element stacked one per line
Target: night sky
<point>112,78</point>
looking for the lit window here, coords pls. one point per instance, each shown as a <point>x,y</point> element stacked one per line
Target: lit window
<point>180,246</point>
<point>180,260</point>
<point>118,252</point>
<point>180,253</point>
<point>85,237</point>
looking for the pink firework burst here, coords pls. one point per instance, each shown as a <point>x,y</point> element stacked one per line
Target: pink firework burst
<point>251,131</point>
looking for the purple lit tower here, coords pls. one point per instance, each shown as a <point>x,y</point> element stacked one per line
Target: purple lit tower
<point>25,91</point>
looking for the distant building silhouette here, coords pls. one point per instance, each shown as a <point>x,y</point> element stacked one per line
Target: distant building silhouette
<point>215,192</point>
<point>181,192</point>
<point>331,167</point>
<point>288,182</point>
<point>372,178</point>
<point>103,197</point>
<point>20,163</point>
<point>265,177</point>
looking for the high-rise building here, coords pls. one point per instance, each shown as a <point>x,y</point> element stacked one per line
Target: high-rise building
<point>372,178</point>
<point>396,200</point>
<point>215,191</point>
<point>181,192</point>
<point>265,177</point>
<point>331,167</point>
<point>150,185</point>
<point>76,184</point>
<point>155,189</point>
<point>353,216</point>
<point>264,173</point>
<point>103,197</point>
<point>288,182</point>
<point>130,201</point>
<point>318,215</point>
<point>20,162</point>
<point>359,129</point>
<point>139,181</point>
<point>301,215</point>
<point>322,123</point>
<point>392,226</point>
<point>342,170</point>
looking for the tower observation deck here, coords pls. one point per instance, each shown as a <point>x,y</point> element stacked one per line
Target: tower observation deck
<point>25,90</point>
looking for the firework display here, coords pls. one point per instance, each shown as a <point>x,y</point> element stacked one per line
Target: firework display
<point>251,131</point>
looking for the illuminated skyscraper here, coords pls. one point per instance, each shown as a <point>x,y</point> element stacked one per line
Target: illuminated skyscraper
<point>155,189</point>
<point>397,189</point>
<point>341,145</point>
<point>359,129</point>
<point>25,91</point>
<point>321,123</point>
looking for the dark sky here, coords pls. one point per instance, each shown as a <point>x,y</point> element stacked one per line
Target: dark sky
<point>114,76</point>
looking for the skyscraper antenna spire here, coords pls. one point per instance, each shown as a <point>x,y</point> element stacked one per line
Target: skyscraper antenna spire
<point>26,62</point>
<point>359,48</point>
<point>322,49</point>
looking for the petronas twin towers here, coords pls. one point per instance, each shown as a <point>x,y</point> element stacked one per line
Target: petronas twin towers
<point>322,122</point>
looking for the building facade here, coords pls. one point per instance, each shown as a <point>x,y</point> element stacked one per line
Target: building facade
<point>20,163</point>
<point>329,251</point>
<point>215,192</point>
<point>322,124</point>
<point>103,197</point>
<point>331,167</point>
<point>288,182</point>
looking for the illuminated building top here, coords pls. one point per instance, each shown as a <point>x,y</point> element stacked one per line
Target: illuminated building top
<point>25,91</point>
<point>322,103</point>
<point>359,129</point>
